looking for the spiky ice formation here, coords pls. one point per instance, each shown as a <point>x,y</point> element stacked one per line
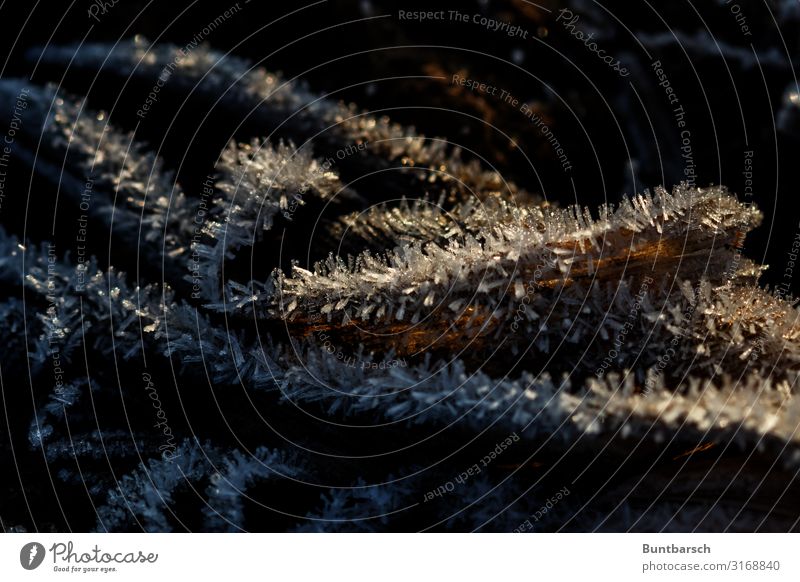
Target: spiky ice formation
<point>422,293</point>
<point>621,349</point>
<point>104,176</point>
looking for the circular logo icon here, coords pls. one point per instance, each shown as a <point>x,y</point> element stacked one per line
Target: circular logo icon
<point>31,555</point>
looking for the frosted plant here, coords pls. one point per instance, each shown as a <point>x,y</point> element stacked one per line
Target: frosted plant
<point>364,508</point>
<point>335,386</point>
<point>664,237</point>
<point>259,185</point>
<point>104,177</point>
<point>232,83</point>
<point>143,498</point>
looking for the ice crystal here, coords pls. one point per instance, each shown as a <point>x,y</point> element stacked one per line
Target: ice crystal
<point>461,311</point>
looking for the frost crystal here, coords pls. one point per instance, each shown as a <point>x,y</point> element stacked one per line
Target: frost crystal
<point>430,317</point>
